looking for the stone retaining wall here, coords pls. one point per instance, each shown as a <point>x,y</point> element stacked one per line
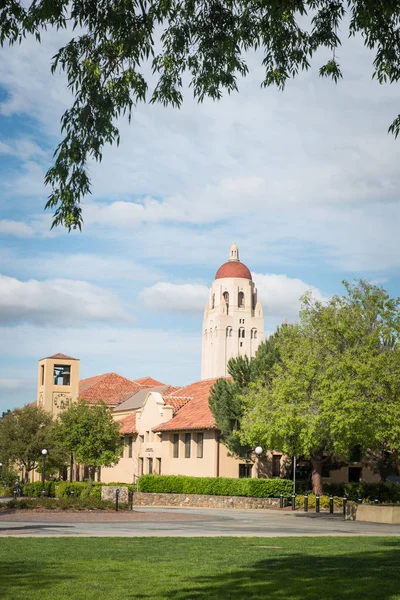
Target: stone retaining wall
<point>202,500</point>
<point>108,492</point>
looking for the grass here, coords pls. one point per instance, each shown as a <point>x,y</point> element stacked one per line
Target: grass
<point>200,568</point>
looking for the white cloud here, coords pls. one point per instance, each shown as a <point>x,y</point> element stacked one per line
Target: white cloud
<point>16,228</point>
<point>60,302</point>
<point>172,297</point>
<point>278,293</point>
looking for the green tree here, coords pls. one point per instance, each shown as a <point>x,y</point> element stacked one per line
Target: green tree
<point>206,41</point>
<point>24,433</point>
<point>337,383</point>
<point>91,434</point>
<point>226,402</point>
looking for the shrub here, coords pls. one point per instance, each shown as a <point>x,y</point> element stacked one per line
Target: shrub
<point>216,486</point>
<point>79,488</point>
<point>323,501</point>
<point>5,491</point>
<point>385,492</point>
<point>62,503</point>
<point>33,490</point>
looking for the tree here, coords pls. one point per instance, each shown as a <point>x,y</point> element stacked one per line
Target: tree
<point>91,434</point>
<point>207,40</point>
<point>337,383</point>
<point>24,432</point>
<point>226,402</point>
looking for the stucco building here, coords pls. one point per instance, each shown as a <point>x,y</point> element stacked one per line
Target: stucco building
<point>169,429</point>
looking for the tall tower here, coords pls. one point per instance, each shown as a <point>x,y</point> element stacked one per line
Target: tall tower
<point>233,322</point>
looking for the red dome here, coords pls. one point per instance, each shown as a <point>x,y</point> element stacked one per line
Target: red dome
<point>233,268</point>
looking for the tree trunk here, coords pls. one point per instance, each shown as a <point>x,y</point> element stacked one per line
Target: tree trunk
<point>316,477</point>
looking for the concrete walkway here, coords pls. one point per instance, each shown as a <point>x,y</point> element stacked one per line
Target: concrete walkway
<point>188,522</point>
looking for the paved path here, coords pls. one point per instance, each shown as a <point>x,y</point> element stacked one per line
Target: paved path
<point>186,522</point>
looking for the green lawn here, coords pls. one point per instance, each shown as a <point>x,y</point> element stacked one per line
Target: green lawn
<point>200,568</point>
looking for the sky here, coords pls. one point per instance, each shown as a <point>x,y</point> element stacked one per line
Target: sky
<point>305,182</point>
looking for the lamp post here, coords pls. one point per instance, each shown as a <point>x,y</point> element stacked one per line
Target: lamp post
<point>1,467</point>
<point>258,451</point>
<point>44,453</point>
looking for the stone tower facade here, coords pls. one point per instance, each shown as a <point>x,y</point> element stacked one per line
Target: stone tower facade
<point>58,382</point>
<point>233,322</point>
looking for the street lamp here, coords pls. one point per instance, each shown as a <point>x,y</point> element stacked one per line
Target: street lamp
<point>44,453</point>
<point>258,451</point>
<point>1,465</point>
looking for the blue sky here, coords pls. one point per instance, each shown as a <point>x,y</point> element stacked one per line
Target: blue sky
<point>306,182</point>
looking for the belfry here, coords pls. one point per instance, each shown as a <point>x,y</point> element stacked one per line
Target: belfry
<point>233,322</point>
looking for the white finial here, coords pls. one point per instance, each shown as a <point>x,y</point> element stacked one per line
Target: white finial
<point>234,253</point>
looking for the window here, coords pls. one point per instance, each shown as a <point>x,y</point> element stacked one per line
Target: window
<point>240,300</point>
<point>188,440</point>
<point>150,466</point>
<point>130,446</point>
<point>175,443</point>
<point>229,332</point>
<point>213,301</point>
<point>62,374</point>
<point>241,332</point>
<point>226,298</point>
<point>354,474</point>
<point>141,439</point>
<point>244,471</point>
<point>158,465</point>
<point>41,374</point>
<point>140,466</point>
<point>276,465</point>
<point>200,439</point>
<point>355,455</point>
<point>325,471</point>
<point>121,454</point>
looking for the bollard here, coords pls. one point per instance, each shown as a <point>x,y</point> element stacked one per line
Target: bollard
<point>305,502</point>
<point>281,500</point>
<point>116,499</point>
<point>293,501</point>
<point>331,505</point>
<point>130,500</point>
<point>359,500</point>
<point>317,503</point>
<point>344,505</point>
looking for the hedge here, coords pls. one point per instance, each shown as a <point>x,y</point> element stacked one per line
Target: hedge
<point>83,489</point>
<point>35,489</point>
<point>215,486</point>
<point>385,492</point>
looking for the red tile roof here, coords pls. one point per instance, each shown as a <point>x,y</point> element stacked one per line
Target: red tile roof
<point>148,382</point>
<point>195,413</point>
<point>109,388</point>
<point>128,424</point>
<point>176,401</point>
<point>61,356</point>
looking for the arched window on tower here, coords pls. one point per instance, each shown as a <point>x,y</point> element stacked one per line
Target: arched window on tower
<point>226,298</point>
<point>213,301</point>
<point>241,299</point>
<point>254,302</point>
<point>254,334</point>
<point>229,332</point>
<point>241,332</point>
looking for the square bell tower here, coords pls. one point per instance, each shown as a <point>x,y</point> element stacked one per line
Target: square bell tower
<point>58,382</point>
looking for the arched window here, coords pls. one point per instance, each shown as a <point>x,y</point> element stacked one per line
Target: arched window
<point>254,302</point>
<point>213,301</point>
<point>241,299</point>
<point>216,332</point>
<point>229,332</point>
<point>205,334</point>
<point>254,334</point>
<point>226,298</point>
<point>241,332</point>
<point>210,333</point>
